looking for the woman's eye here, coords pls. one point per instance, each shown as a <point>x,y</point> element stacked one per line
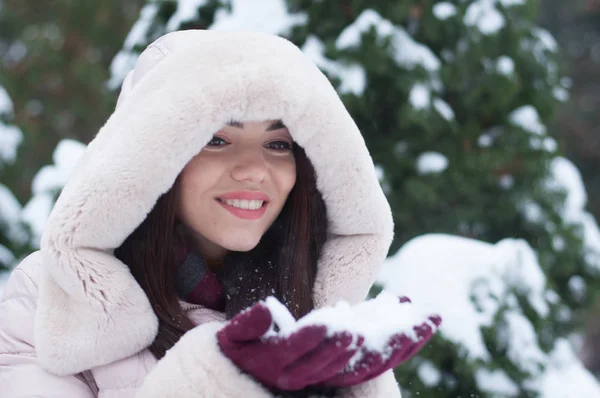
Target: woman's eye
<point>216,141</point>
<point>280,145</point>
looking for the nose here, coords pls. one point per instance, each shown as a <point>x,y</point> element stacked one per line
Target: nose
<point>250,166</point>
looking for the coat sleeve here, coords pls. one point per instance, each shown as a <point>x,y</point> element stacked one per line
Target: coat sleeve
<point>20,375</point>
<point>383,386</point>
<point>195,368</point>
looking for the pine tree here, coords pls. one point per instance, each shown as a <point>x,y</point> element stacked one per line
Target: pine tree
<point>453,99</point>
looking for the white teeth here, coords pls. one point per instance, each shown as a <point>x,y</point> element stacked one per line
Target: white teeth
<point>244,204</point>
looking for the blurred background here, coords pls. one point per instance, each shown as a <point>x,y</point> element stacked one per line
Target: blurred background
<point>482,117</point>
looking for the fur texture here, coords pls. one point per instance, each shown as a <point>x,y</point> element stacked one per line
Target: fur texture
<point>198,369</point>
<point>185,87</point>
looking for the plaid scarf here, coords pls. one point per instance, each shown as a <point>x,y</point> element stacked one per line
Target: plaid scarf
<point>197,284</point>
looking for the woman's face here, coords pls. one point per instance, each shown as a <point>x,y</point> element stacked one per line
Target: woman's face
<point>233,190</point>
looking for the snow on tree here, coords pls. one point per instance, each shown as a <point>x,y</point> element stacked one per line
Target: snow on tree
<point>12,233</point>
<point>498,305</point>
<point>26,224</point>
<point>47,184</point>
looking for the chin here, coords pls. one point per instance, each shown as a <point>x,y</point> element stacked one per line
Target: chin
<point>242,246</point>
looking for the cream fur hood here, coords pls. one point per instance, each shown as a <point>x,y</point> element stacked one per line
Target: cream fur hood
<point>184,88</point>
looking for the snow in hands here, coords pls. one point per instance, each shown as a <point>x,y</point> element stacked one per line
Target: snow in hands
<point>375,322</point>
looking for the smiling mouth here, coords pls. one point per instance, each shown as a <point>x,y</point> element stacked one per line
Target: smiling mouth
<point>255,208</point>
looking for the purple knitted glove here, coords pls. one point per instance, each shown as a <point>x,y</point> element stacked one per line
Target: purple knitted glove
<point>305,357</point>
<point>399,349</point>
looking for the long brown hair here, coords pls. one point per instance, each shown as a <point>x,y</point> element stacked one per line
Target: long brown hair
<point>283,264</point>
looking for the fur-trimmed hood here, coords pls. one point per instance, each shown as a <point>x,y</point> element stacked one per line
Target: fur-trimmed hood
<point>185,87</point>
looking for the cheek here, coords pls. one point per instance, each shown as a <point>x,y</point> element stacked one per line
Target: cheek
<point>286,177</point>
<point>194,182</point>
<point>199,175</point>
<point>185,208</point>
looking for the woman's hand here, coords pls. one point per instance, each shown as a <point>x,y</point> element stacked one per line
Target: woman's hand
<point>306,353</point>
<point>304,358</point>
<point>399,349</point>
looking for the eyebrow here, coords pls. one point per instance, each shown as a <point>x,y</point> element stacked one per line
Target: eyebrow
<point>274,126</point>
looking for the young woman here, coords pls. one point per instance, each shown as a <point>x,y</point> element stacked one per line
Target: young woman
<point>230,171</point>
